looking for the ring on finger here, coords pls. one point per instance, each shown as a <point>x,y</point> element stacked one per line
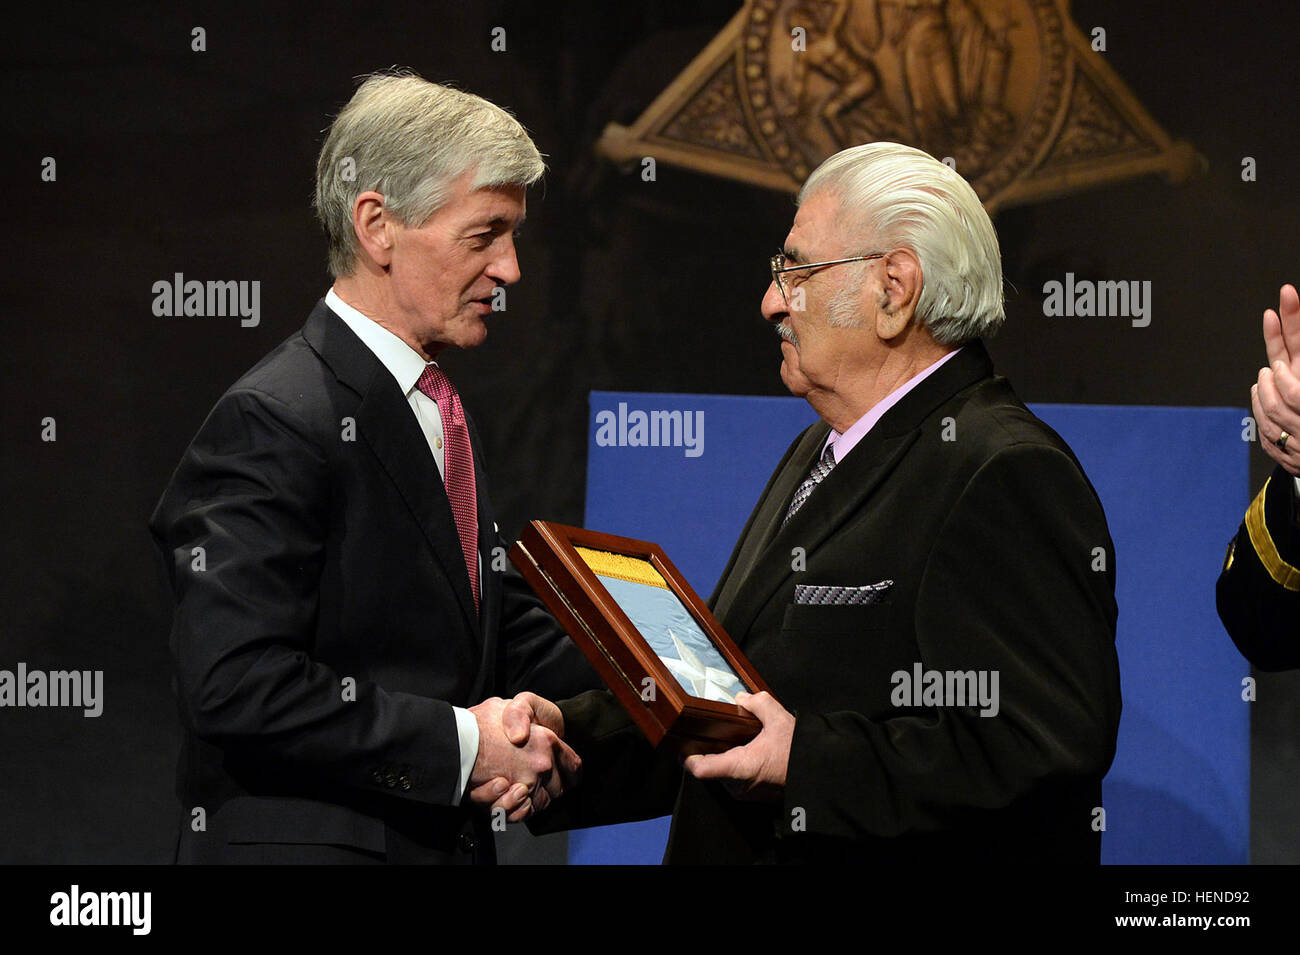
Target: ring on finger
<point>1282,440</point>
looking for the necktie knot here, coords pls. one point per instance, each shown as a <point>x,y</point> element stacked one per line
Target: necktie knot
<point>435,384</point>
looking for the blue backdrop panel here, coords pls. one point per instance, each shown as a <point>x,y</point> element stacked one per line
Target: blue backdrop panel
<point>1174,485</point>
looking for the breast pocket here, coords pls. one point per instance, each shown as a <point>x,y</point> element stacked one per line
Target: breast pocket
<point>842,657</point>
<point>828,618</point>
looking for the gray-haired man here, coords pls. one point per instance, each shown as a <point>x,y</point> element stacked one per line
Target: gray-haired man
<point>342,627</point>
<point>941,654</point>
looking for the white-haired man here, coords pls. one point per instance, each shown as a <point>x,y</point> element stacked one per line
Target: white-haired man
<point>343,617</point>
<point>926,583</point>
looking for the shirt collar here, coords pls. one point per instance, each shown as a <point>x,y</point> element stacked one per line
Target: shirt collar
<point>402,361</point>
<point>844,443</point>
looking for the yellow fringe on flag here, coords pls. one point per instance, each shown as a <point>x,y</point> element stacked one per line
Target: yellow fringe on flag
<point>622,567</point>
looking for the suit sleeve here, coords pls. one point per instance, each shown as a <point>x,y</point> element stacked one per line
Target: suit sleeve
<point>243,528</point>
<point>624,778</point>
<point>1019,583</point>
<point>1258,592</point>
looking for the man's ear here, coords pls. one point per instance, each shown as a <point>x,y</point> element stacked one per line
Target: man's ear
<point>900,293</point>
<point>373,224</point>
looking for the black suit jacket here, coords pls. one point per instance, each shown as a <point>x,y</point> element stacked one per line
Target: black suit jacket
<point>1258,592</point>
<point>324,624</point>
<point>1001,561</point>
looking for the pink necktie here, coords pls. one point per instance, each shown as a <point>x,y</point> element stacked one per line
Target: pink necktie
<point>458,467</point>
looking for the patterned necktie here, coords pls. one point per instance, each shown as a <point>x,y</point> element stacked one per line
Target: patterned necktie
<point>458,467</point>
<point>815,477</point>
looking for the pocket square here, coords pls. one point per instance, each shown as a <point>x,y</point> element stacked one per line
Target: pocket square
<point>837,596</point>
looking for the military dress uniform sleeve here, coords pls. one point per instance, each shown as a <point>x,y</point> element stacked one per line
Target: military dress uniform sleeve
<point>1258,593</point>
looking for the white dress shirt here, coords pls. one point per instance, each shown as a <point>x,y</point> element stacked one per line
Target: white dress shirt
<point>407,365</point>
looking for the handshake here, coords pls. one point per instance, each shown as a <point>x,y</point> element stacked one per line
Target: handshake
<point>522,763</point>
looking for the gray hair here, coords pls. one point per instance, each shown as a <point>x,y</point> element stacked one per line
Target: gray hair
<point>409,140</point>
<point>901,197</point>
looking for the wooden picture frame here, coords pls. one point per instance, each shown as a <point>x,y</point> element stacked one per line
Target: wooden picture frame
<point>557,561</point>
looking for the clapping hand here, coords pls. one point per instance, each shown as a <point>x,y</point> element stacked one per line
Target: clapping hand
<point>1275,397</point>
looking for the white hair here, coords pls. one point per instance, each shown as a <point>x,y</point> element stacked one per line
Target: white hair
<point>900,197</point>
<point>409,140</point>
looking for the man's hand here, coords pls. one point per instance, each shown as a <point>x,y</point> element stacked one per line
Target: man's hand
<point>519,718</point>
<point>522,763</point>
<point>1275,397</point>
<point>757,769</point>
<point>527,709</point>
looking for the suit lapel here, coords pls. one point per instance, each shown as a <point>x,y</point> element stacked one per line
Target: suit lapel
<point>765,556</point>
<point>488,537</point>
<point>843,492</point>
<point>765,522</point>
<point>388,427</point>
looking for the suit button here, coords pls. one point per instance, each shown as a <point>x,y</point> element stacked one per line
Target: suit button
<point>404,782</point>
<point>378,777</point>
<point>466,842</point>
<point>390,780</point>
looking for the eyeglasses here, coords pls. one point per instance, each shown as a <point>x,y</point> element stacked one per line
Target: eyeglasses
<point>779,267</point>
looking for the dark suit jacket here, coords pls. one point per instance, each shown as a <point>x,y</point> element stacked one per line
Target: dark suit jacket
<point>1001,561</point>
<point>1258,593</point>
<point>324,624</point>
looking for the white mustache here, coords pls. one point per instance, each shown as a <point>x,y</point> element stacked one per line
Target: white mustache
<point>785,331</point>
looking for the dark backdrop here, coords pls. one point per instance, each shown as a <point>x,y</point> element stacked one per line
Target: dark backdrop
<point>170,160</point>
